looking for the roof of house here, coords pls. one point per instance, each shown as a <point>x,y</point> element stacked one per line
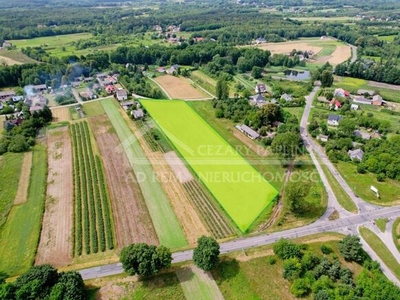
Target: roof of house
<point>40,87</point>
<point>354,106</point>
<point>249,131</point>
<point>362,134</point>
<point>357,153</point>
<point>335,102</point>
<point>261,88</point>
<point>362,100</point>
<point>121,93</point>
<point>7,93</point>
<point>362,92</point>
<point>377,98</point>
<point>286,97</point>
<point>323,137</point>
<point>138,113</point>
<point>334,118</point>
<point>258,98</point>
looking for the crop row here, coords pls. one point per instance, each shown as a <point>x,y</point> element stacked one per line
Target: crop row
<point>93,226</point>
<point>147,135</point>
<point>215,222</point>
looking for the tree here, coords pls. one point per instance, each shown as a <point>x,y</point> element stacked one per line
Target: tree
<point>351,249</point>
<point>256,72</point>
<point>285,249</point>
<point>296,192</point>
<point>145,260</point>
<point>70,286</point>
<point>291,268</point>
<point>222,89</point>
<point>286,144</point>
<point>206,254</point>
<point>300,287</point>
<point>346,127</point>
<point>326,78</point>
<point>270,113</point>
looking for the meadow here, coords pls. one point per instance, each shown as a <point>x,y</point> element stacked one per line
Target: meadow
<point>19,240</point>
<point>167,227</point>
<point>238,187</point>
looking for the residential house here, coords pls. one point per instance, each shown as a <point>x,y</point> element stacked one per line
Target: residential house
<point>364,92</point>
<point>260,40</point>
<point>377,100</point>
<point>122,95</point>
<point>258,100</point>
<point>260,88</point>
<point>354,107</point>
<point>161,70</point>
<point>333,120</point>
<point>88,94</point>
<point>126,105</point>
<point>6,45</point>
<point>110,89</point>
<point>362,134</point>
<point>8,124</point>
<point>356,154</point>
<point>40,88</point>
<point>101,76</point>
<point>362,100</point>
<point>248,131</point>
<point>36,102</point>
<point>286,97</point>
<point>277,124</point>
<point>137,114</point>
<point>273,101</point>
<point>341,93</point>
<point>6,95</point>
<point>323,138</point>
<point>335,104</point>
<point>174,68</point>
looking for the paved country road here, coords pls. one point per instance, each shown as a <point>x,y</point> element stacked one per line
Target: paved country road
<point>265,239</point>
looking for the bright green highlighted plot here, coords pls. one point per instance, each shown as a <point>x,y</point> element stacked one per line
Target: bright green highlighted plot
<point>239,188</point>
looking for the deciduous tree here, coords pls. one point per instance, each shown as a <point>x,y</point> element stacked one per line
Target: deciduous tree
<point>206,254</point>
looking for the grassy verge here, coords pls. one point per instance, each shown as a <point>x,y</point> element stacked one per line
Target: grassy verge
<point>342,197</point>
<point>10,169</point>
<point>389,190</point>
<point>168,230</point>
<point>381,223</point>
<point>396,233</point>
<point>381,250</point>
<point>19,237</point>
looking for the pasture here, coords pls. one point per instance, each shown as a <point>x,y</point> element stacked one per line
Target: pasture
<point>179,88</point>
<point>19,240</point>
<point>167,227</point>
<point>325,50</point>
<point>238,187</point>
<point>14,57</point>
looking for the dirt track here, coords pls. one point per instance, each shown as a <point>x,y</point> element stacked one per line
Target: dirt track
<point>131,218</point>
<point>179,88</point>
<point>178,167</point>
<point>55,240</point>
<point>187,216</point>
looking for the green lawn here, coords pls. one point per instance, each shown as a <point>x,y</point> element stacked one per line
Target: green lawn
<point>396,233</point>
<point>270,166</point>
<point>93,109</point>
<point>342,197</point>
<point>389,190</point>
<point>238,187</point>
<point>297,111</point>
<point>19,237</point>
<point>17,56</point>
<point>388,38</point>
<point>164,286</point>
<point>381,250</point>
<point>168,230</point>
<point>195,283</point>
<point>10,169</point>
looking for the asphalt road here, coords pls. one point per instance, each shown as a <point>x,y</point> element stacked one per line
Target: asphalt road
<point>265,239</point>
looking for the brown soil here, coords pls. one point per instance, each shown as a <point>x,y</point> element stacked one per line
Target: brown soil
<point>384,85</point>
<point>261,151</point>
<point>176,193</point>
<point>287,47</point>
<point>60,114</point>
<point>179,88</point>
<point>131,217</point>
<point>341,54</point>
<point>178,167</point>
<point>55,240</point>
<point>8,61</point>
<point>23,185</point>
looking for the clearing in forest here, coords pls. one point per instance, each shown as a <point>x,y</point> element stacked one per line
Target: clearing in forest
<point>238,187</point>
<point>55,241</point>
<point>167,227</point>
<point>131,217</point>
<point>179,88</point>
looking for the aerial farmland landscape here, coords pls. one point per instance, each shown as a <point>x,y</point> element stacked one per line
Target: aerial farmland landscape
<point>199,149</point>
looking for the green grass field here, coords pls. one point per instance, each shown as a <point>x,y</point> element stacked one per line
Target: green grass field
<point>381,223</point>
<point>381,250</point>
<point>19,237</point>
<point>238,187</point>
<point>17,56</point>
<point>396,233</point>
<point>10,170</point>
<point>389,190</point>
<point>270,166</point>
<point>93,109</point>
<point>168,230</point>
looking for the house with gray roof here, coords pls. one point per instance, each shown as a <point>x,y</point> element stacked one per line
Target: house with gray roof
<point>287,97</point>
<point>356,154</point>
<point>362,134</point>
<point>137,114</point>
<point>251,133</point>
<point>258,100</point>
<point>333,120</point>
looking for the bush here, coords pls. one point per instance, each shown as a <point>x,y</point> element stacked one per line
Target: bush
<point>291,269</point>
<point>326,249</point>
<point>381,177</point>
<point>285,249</point>
<point>300,287</point>
<point>271,260</point>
